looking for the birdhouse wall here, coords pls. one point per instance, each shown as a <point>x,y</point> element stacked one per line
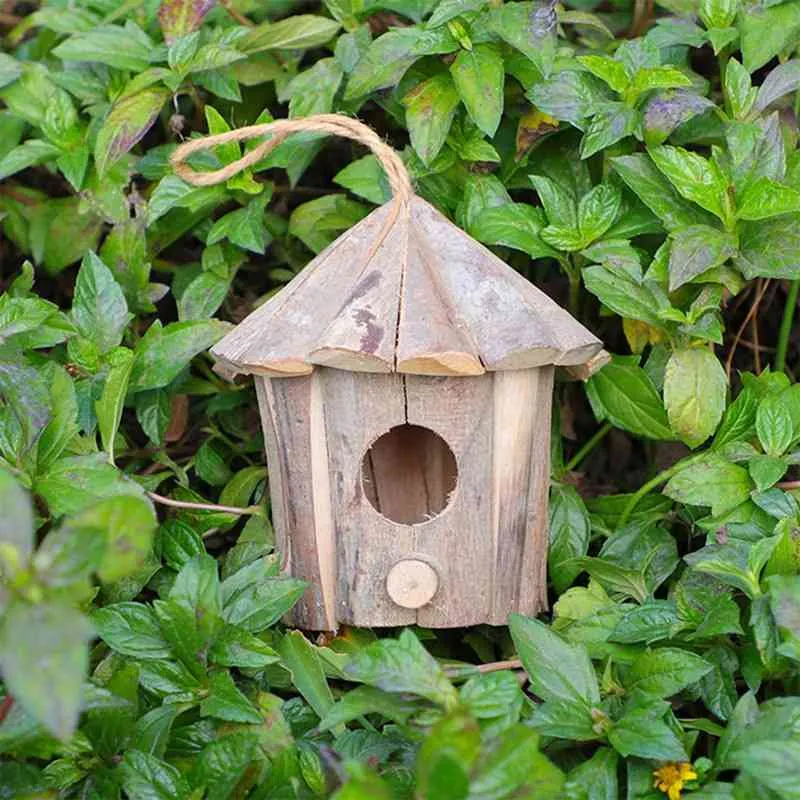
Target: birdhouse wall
<point>488,546</point>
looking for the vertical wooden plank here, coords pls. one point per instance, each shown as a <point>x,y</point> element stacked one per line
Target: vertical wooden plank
<point>521,458</point>
<point>533,584</point>
<point>458,542</point>
<point>360,407</point>
<point>297,464</point>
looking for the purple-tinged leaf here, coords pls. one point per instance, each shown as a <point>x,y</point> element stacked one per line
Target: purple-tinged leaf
<point>781,81</point>
<point>665,111</point>
<point>126,124</point>
<point>179,17</point>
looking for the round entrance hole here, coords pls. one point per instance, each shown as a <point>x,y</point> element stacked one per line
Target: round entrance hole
<point>409,474</point>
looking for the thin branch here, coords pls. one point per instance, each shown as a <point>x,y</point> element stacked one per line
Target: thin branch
<point>750,314</point>
<point>240,18</point>
<point>788,485</point>
<point>168,501</point>
<point>496,666</point>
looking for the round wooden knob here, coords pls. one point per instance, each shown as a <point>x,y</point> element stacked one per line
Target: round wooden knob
<point>412,583</point>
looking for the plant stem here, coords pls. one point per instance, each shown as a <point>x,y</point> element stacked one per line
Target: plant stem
<point>168,501</point>
<point>663,476</point>
<point>786,325</point>
<point>587,448</point>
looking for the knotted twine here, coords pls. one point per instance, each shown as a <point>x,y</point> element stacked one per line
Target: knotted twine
<point>278,131</point>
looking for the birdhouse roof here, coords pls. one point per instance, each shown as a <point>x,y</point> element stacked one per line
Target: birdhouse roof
<point>406,291</point>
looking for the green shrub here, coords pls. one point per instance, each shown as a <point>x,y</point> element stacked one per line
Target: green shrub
<point>638,162</point>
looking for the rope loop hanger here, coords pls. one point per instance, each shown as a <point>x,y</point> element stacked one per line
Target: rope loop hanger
<point>278,131</point>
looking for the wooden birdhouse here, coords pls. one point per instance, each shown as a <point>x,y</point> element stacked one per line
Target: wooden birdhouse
<point>404,380</point>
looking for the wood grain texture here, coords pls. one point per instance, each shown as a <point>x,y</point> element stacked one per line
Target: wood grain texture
<point>430,338</point>
<point>359,408</point>
<point>458,542</point>
<point>409,474</point>
<point>521,457</point>
<point>297,460</point>
<point>406,290</point>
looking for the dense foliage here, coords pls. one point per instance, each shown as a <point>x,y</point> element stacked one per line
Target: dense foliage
<point>638,161</point>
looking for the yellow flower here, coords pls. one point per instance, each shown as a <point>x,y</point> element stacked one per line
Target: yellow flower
<point>671,777</point>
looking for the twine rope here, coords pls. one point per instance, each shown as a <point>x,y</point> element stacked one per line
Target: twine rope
<point>278,131</point>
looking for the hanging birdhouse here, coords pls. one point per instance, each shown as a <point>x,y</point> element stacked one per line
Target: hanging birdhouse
<point>404,381</point>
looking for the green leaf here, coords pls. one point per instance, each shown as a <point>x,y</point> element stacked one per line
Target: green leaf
<point>739,90</point>
<point>391,54</point>
<point>146,777</point>
<point>649,78</point>
<point>774,425</point>
<point>569,535</point>
<point>126,47</point>
<point>243,227</point>
<point>595,778</point>
<point>558,202</point>
<point>766,471</point>
<point>530,28</point>
<point>225,701</point>
<point>132,630</point>
<point>765,198</point>
<point>695,250</point>
<point>769,247</point>
<point>665,671</point>
<point>129,119</point>
<point>718,13</point>
<point>728,563</point>
<point>44,659</point>
<point>402,665</point>
<point>766,31</point>
<point>234,647</point>
<point>300,657</point>
<point>430,109</point>
<point>657,193</point>
<point>512,765</point>
<point>263,603</point>
<point>71,484</point>
<point>569,95</point>
<point>109,407</point>
<point>694,394</point>
<point>609,70</point>
<point>611,124</point>
<point>479,78</point>
<point>710,482</point>
<point>782,80</point>
<point>557,670</point>
<point>10,69</point>
<point>298,32</point>
<point>694,177</point>
<point>99,309</point>
<point>620,294</point>
<point>515,225</point>
<point>318,222</point>
<point>649,622</point>
<point>623,580</point>
<point>366,178</point>
<point>162,353</point>
<point>774,764</point>
<point>642,732</point>
<point>28,154</point>
<point>630,401</point>
<point>597,211</point>
<point>16,521</point>
<point>446,757</point>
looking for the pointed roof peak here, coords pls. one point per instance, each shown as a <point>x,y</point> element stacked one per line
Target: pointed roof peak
<point>406,290</point>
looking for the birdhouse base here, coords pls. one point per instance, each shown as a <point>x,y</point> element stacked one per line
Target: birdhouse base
<point>408,499</point>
